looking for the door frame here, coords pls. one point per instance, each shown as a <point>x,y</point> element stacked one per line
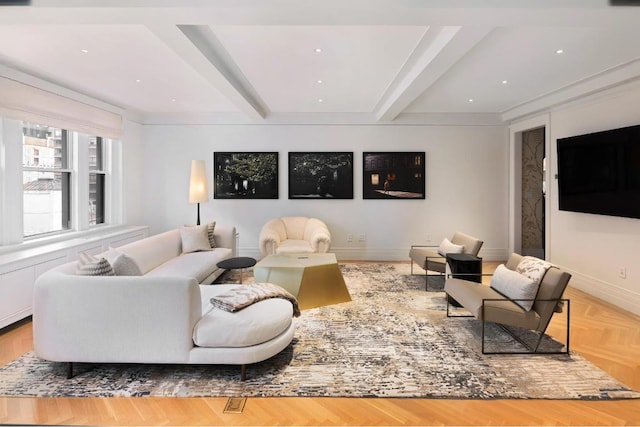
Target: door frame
<point>515,180</point>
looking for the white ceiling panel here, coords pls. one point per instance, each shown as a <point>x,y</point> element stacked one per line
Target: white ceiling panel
<point>116,57</point>
<point>355,65</point>
<point>527,59</point>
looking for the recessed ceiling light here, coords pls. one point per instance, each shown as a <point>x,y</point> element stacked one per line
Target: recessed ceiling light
<point>84,50</point>
<point>173,100</point>
<point>559,51</point>
<point>470,99</point>
<point>320,100</point>
<point>138,80</point>
<point>319,81</point>
<point>504,82</point>
<point>317,50</point>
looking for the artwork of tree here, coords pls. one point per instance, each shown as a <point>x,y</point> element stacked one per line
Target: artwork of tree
<point>254,167</point>
<point>321,175</point>
<point>246,175</point>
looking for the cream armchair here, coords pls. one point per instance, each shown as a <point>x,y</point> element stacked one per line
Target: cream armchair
<point>294,235</point>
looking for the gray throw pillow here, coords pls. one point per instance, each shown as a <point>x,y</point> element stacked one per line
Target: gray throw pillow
<point>124,265</point>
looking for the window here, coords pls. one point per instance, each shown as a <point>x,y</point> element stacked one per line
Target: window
<point>46,179</point>
<point>97,176</point>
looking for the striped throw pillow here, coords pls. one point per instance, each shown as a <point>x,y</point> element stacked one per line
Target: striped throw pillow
<point>89,265</point>
<point>211,226</point>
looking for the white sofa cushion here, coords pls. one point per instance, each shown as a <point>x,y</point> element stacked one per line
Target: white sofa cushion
<point>446,247</point>
<point>198,265</point>
<point>253,325</point>
<point>515,286</point>
<point>294,246</point>
<point>295,226</point>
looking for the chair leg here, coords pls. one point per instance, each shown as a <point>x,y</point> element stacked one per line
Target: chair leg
<point>535,349</point>
<point>426,280</point>
<point>530,349</point>
<point>540,332</point>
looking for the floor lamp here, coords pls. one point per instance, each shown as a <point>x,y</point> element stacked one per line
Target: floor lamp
<point>198,192</point>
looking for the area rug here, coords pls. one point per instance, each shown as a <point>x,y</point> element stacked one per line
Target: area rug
<point>392,340</point>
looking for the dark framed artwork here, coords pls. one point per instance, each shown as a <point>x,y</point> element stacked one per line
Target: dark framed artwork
<point>321,175</point>
<point>393,175</point>
<point>245,175</point>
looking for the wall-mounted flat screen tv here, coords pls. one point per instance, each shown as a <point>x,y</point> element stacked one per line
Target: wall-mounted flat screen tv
<point>599,173</point>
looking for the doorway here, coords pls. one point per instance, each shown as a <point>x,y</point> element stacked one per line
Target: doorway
<point>533,193</point>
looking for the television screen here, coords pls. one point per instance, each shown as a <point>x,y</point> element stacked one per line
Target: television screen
<point>599,173</point>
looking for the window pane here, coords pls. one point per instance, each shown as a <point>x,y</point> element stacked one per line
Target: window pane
<point>96,198</point>
<point>95,153</point>
<point>45,197</point>
<point>44,146</point>
<point>45,202</point>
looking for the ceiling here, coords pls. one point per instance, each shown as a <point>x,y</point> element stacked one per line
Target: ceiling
<point>369,60</point>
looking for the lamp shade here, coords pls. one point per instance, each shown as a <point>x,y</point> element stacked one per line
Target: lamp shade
<point>198,192</point>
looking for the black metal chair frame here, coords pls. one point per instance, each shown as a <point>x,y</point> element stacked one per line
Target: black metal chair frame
<point>426,275</point>
<point>534,350</point>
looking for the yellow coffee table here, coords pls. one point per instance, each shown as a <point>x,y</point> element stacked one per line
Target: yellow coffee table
<point>314,279</point>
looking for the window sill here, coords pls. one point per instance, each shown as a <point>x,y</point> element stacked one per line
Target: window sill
<point>62,241</point>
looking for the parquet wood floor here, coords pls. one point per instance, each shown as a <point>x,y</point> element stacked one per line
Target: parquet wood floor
<point>604,334</point>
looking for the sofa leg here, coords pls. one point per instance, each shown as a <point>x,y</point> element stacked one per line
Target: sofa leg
<point>69,370</point>
<point>243,372</point>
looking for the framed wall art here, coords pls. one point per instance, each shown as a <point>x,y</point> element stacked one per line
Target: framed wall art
<point>393,175</point>
<point>321,175</point>
<point>245,175</point>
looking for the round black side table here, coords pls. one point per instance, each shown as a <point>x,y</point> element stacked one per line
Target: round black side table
<point>235,263</point>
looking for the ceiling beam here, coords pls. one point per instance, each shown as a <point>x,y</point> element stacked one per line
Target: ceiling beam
<point>199,48</point>
<point>438,50</point>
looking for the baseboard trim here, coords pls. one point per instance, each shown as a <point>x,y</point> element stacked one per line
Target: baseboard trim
<point>622,298</point>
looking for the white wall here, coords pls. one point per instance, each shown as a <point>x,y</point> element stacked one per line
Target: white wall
<point>593,247</point>
<point>133,166</point>
<point>466,184</point>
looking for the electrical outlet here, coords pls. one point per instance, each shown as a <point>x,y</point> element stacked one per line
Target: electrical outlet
<point>622,272</point>
<point>429,237</point>
<point>362,237</point>
<point>349,238</point>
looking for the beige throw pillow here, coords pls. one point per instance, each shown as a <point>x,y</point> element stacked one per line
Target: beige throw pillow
<point>195,239</point>
<point>515,286</point>
<point>446,247</point>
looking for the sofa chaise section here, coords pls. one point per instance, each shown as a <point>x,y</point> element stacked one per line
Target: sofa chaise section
<point>162,316</point>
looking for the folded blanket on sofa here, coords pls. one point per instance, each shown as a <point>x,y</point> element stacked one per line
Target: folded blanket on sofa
<point>245,295</point>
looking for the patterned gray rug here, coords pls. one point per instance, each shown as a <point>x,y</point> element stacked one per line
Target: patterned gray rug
<point>392,340</point>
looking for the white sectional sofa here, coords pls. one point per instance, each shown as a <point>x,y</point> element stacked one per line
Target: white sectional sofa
<point>161,316</point>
